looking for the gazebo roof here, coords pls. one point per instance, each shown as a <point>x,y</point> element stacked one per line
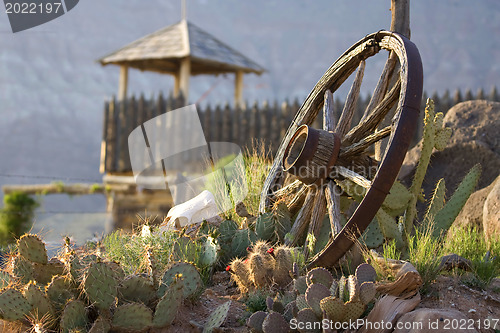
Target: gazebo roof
<point>162,51</point>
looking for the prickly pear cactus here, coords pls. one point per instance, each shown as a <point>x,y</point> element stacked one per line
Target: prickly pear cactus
<point>137,288</point>
<point>101,325</point>
<point>13,305</point>
<point>32,248</point>
<point>132,317</point>
<point>100,285</point>
<point>186,271</point>
<point>217,318</point>
<point>74,316</point>
<point>60,291</point>
<point>169,304</point>
<point>40,303</point>
<point>275,323</point>
<point>21,269</point>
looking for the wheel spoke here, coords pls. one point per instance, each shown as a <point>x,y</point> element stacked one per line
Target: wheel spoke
<point>298,200</point>
<point>350,105</point>
<point>329,120</point>
<point>333,207</point>
<point>354,176</point>
<point>360,146</point>
<point>302,220</point>
<point>382,84</point>
<point>287,190</point>
<point>371,122</point>
<point>317,217</point>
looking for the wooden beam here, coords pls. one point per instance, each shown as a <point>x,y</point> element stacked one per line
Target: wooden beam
<point>238,89</point>
<point>55,188</point>
<point>123,84</point>
<point>177,84</point>
<point>184,74</point>
<point>400,20</point>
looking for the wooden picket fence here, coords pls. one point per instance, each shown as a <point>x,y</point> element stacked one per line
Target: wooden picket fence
<point>266,122</point>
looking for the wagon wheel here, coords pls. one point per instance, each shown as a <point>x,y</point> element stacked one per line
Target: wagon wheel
<point>314,159</point>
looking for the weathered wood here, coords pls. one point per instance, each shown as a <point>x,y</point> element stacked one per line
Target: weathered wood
<point>350,104</point>
<point>329,120</point>
<point>73,189</point>
<point>333,207</point>
<point>332,79</point>
<point>400,20</point>
<point>382,84</point>
<point>370,123</point>
<point>353,176</point>
<point>302,221</point>
<point>123,83</point>
<point>184,75</point>
<point>364,143</point>
<point>297,200</point>
<point>317,217</point>
<point>238,89</point>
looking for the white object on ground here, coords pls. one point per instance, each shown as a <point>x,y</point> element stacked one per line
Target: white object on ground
<point>202,207</point>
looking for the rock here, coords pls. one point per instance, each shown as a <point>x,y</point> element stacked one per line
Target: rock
<point>451,261</point>
<point>491,213</point>
<point>432,321</point>
<point>472,213</point>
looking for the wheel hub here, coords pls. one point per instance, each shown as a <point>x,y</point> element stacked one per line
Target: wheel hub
<point>311,154</point>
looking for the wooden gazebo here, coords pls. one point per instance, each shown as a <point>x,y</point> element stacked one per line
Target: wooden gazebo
<point>182,50</point>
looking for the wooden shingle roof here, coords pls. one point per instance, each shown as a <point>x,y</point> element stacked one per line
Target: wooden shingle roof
<point>162,50</point>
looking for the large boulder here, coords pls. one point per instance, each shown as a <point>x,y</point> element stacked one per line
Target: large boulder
<point>491,213</point>
<point>475,139</point>
<point>472,213</point>
<point>432,321</point>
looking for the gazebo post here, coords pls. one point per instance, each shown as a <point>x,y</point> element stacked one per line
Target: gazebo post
<point>177,84</point>
<point>123,83</point>
<point>238,89</point>
<point>184,74</point>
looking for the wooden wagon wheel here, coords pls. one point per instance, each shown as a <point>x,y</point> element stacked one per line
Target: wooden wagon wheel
<point>306,152</point>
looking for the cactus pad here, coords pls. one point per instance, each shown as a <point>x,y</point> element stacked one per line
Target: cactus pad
<point>22,269</point>
<point>241,240</point>
<point>319,275</point>
<point>217,317</point>
<point>32,248</point>
<point>43,273</point>
<point>169,304</point>
<point>208,255</point>
<point>334,308</point>
<point>300,285</point>
<point>367,292</point>
<point>275,323</point>
<point>73,317</point>
<point>353,287</point>
<point>353,310</point>
<point>334,288</point>
<point>314,294</point>
<point>60,291</point>
<point>372,236</point>
<point>343,290</point>
<point>39,302</point>
<point>100,285</point>
<point>13,305</point>
<point>227,229</point>
<point>307,318</point>
<point>256,320</point>
<point>301,302</point>
<point>137,288</point>
<point>101,325</point>
<point>132,317</point>
<point>189,274</point>
<point>5,279</point>
<point>264,226</point>
<point>290,310</point>
<point>365,272</point>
